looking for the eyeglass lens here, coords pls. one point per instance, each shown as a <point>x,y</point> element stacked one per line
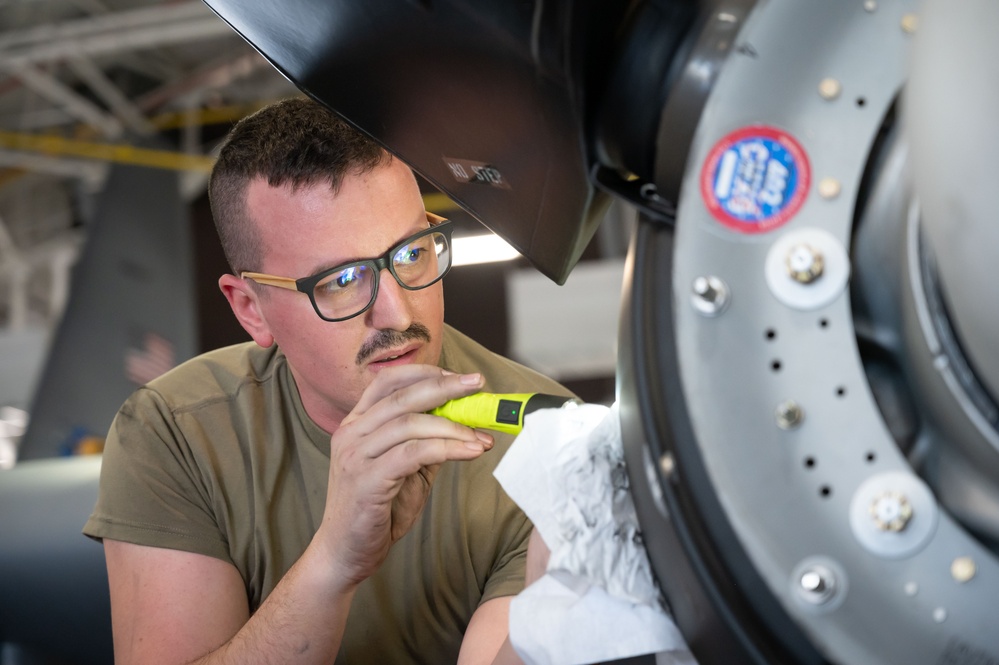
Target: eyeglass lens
<point>415,265</point>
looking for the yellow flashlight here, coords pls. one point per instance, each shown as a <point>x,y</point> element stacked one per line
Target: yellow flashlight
<point>503,412</point>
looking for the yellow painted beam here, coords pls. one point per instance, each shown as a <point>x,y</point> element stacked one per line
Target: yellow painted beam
<point>206,116</point>
<point>58,146</point>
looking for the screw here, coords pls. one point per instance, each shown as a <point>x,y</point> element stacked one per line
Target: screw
<point>789,414</point>
<point>891,511</point>
<point>710,295</point>
<point>805,263</point>
<point>817,584</point>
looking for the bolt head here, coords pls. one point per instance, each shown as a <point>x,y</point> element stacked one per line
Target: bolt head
<point>817,584</point>
<point>891,511</point>
<point>804,263</point>
<point>709,295</point>
<point>789,414</point>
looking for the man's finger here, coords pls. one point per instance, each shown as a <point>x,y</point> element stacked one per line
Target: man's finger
<point>392,379</point>
<point>409,457</point>
<point>413,391</point>
<point>420,427</point>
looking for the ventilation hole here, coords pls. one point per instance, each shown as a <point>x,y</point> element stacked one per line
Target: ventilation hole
<point>809,462</point>
<point>823,323</point>
<point>770,334</point>
<point>861,102</point>
<point>775,365</point>
<point>840,391</point>
<point>870,457</point>
<point>825,491</point>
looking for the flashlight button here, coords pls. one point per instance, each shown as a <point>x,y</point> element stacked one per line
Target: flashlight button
<point>508,412</point>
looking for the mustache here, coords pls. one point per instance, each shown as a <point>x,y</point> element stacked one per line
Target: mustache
<point>386,339</point>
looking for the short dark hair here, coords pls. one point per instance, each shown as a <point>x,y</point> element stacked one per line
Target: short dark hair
<point>295,141</point>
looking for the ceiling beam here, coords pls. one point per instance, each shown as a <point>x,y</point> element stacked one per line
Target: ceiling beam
<point>90,172</point>
<point>123,109</point>
<point>63,96</point>
<point>140,37</point>
<point>105,24</point>
<point>212,76</point>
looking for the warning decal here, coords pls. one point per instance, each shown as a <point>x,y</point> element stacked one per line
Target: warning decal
<point>467,171</point>
<point>755,179</point>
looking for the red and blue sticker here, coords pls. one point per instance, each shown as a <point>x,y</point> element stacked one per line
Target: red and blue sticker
<point>755,179</point>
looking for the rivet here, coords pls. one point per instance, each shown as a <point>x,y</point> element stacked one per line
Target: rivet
<point>963,569</point>
<point>910,22</point>
<point>667,465</point>
<point>829,89</point>
<point>911,588</point>
<point>870,5</point>
<point>939,615</point>
<point>829,188</point>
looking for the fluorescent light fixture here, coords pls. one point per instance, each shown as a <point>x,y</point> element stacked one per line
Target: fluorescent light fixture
<point>487,248</point>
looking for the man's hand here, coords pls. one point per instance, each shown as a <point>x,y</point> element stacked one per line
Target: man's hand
<point>383,460</point>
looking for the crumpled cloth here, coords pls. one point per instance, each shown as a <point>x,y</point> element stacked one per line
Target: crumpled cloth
<point>598,599</point>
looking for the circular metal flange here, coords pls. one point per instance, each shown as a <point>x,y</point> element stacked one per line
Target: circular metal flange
<point>782,268</point>
<point>881,492</point>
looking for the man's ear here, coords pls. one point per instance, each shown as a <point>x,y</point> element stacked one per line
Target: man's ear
<point>245,304</point>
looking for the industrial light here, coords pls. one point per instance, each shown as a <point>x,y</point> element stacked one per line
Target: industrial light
<point>487,248</point>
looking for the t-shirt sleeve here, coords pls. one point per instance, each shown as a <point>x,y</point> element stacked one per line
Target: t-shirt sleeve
<point>499,529</point>
<point>507,578</point>
<point>153,489</point>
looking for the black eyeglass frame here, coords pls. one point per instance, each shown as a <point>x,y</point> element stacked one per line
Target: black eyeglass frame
<point>307,285</point>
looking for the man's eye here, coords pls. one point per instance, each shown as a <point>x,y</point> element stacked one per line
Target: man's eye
<point>347,279</point>
<point>408,255</point>
<point>349,276</point>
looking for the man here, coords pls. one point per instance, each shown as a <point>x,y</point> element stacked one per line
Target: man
<point>289,500</point>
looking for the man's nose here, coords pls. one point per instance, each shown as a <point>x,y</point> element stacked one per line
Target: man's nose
<point>391,308</point>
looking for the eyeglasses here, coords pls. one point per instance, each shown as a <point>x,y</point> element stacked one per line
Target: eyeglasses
<point>350,289</point>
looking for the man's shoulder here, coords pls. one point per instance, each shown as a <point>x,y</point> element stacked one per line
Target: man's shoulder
<point>217,374</point>
<point>463,354</point>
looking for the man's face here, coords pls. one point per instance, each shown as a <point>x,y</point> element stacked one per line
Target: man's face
<point>310,230</point>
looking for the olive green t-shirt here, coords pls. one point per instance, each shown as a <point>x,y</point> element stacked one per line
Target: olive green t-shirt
<point>219,457</point>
